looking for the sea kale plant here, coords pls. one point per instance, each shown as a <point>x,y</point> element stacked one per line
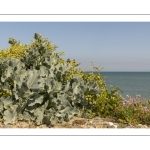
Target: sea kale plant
<point>37,84</point>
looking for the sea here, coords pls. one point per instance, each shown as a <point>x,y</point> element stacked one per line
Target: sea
<point>131,83</point>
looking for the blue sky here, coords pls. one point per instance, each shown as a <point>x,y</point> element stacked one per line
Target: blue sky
<point>116,46</point>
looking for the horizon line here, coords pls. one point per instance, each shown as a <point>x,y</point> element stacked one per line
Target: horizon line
<point>115,71</point>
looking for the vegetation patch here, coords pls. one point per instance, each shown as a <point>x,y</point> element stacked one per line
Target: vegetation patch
<point>38,85</point>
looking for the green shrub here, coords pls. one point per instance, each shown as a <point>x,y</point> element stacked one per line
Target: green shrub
<point>133,111</point>
<point>106,103</point>
<point>38,85</point>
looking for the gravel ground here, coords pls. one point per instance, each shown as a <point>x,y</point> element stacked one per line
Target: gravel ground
<point>77,122</point>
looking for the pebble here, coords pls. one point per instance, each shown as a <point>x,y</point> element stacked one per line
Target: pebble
<point>97,119</point>
<point>144,126</point>
<point>4,127</point>
<point>91,121</point>
<point>109,123</point>
<point>115,126</point>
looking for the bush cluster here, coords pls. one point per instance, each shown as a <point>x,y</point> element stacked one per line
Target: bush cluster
<point>134,111</point>
<point>37,84</point>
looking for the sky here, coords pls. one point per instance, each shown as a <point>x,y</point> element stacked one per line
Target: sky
<point>116,46</point>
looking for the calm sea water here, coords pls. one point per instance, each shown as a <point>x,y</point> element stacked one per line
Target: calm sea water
<point>131,83</point>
